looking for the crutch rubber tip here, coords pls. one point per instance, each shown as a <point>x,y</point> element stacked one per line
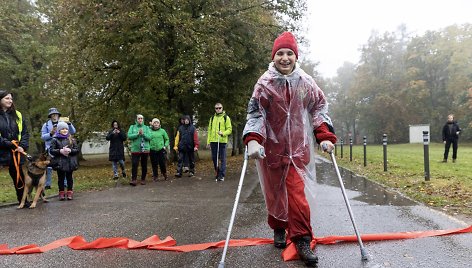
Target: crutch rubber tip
<point>221,265</point>
<point>365,255</point>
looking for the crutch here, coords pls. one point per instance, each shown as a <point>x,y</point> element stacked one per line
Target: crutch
<point>364,254</point>
<point>241,179</point>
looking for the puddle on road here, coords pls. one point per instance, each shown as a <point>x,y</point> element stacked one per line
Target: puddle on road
<point>370,192</point>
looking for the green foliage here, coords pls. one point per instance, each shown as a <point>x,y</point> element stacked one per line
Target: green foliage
<point>97,61</point>
<point>24,53</point>
<point>403,80</point>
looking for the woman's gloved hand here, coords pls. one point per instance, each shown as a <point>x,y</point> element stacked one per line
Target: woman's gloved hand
<point>327,146</point>
<point>255,150</point>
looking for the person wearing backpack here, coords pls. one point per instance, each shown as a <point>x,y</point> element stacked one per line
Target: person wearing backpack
<point>219,128</point>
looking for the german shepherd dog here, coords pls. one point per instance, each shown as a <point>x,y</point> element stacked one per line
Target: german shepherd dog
<point>35,176</point>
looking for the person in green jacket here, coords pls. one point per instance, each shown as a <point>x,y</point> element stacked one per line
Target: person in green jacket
<point>140,137</point>
<point>159,147</point>
<point>219,128</point>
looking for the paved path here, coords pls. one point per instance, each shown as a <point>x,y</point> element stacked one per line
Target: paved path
<point>197,210</point>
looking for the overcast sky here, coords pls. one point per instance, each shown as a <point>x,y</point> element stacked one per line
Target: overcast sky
<point>337,28</point>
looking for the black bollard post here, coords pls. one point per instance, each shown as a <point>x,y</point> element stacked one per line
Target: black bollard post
<point>384,142</point>
<point>426,155</point>
<point>336,149</point>
<point>365,151</point>
<point>350,149</point>
<point>342,143</point>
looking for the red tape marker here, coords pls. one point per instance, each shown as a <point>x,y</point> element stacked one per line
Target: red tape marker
<point>169,244</point>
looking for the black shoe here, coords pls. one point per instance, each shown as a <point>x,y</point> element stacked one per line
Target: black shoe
<point>302,244</point>
<point>178,175</point>
<point>279,238</point>
<point>453,160</point>
<point>115,177</point>
<point>123,174</point>
<point>191,174</point>
<point>47,187</point>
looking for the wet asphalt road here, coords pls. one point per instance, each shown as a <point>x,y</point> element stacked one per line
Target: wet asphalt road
<point>197,210</point>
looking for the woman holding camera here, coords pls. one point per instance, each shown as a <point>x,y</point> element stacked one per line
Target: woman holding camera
<point>116,153</point>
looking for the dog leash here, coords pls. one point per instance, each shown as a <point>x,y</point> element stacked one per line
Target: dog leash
<point>16,159</point>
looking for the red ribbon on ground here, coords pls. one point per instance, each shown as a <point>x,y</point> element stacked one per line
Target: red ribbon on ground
<point>169,244</point>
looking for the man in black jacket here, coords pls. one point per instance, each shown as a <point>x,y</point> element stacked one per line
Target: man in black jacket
<point>450,134</point>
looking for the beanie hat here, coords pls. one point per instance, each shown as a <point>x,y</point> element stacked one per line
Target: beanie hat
<point>62,125</point>
<point>285,40</point>
<point>155,120</point>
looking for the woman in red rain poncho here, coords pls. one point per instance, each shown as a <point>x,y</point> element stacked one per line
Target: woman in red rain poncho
<point>286,110</point>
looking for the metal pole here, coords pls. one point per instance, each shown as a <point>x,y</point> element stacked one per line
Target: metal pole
<point>365,151</point>
<point>350,149</point>
<point>384,142</point>
<point>426,155</point>
<point>336,149</point>
<point>342,143</point>
<point>364,253</point>
<point>233,214</point>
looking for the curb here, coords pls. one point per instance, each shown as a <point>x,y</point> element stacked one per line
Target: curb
<point>11,204</point>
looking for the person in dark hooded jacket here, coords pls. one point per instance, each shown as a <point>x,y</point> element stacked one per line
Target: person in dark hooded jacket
<point>450,135</point>
<point>186,144</point>
<point>14,138</point>
<point>116,152</point>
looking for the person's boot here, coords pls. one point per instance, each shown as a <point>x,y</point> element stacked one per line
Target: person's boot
<point>165,176</point>
<point>302,244</point>
<point>453,160</point>
<point>444,160</point>
<point>279,238</point>
<point>154,178</point>
<point>62,196</point>
<point>70,195</point>
<point>178,175</point>
<point>133,182</point>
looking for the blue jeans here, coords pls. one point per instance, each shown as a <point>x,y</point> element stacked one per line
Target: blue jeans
<point>114,165</point>
<point>221,171</point>
<point>49,177</point>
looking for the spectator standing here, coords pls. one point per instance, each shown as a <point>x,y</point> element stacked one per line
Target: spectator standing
<point>219,128</point>
<point>285,110</point>
<point>186,144</point>
<point>140,138</point>
<point>116,152</point>
<point>48,131</point>
<point>450,135</point>
<point>159,147</point>
<point>14,140</point>
<point>65,150</point>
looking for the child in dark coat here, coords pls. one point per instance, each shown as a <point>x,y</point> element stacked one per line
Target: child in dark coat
<point>64,149</point>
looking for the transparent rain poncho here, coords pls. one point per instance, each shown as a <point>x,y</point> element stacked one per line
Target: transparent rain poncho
<point>284,110</point>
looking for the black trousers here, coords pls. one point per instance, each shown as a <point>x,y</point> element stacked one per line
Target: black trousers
<point>183,156</point>
<point>61,175</point>
<point>135,159</point>
<point>158,158</point>
<point>454,148</point>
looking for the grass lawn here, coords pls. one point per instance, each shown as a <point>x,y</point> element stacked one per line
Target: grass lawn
<point>450,184</point>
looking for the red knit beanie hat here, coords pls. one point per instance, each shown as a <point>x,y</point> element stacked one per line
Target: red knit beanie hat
<point>285,40</point>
